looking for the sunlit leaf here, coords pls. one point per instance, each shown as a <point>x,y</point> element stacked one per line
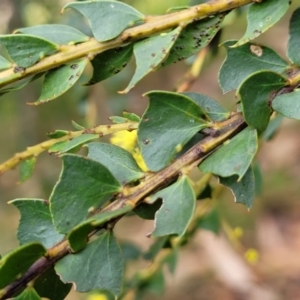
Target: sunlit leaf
<point>59,80</point>
<point>234,156</point>
<point>26,168</point>
<point>262,16</point>
<point>28,294</point>
<point>117,160</point>
<point>4,63</point>
<point>169,122</point>
<point>108,19</point>
<point>56,33</point>
<point>26,50</point>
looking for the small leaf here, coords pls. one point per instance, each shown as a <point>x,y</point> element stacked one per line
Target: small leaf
<point>28,294</point>
<point>212,108</point>
<point>171,260</point>
<point>177,209</point>
<point>36,223</point>
<point>108,19</point>
<point>130,251</point>
<point>156,247</point>
<point>155,283</point>
<point>117,160</point>
<point>245,60</point>
<point>58,81</point>
<point>57,146</point>
<point>48,285</point>
<point>261,16</point>
<point>294,43</point>
<point>149,53</point>
<point>169,122</point>
<point>118,120</point>
<point>16,262</point>
<point>131,116</point>
<point>26,168</point>
<point>109,63</point>
<point>244,190</point>
<point>77,142</point>
<point>57,134</point>
<point>4,63</point>
<point>84,184</point>
<point>193,38</point>
<point>98,266</point>
<point>256,105</point>
<point>27,50</point>
<point>234,156</point>
<point>288,104</point>
<point>78,237</point>
<point>210,221</point>
<point>77,126</point>
<point>56,33</point>
<point>258,179</point>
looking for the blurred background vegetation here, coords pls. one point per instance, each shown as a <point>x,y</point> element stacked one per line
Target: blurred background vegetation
<point>209,267</point>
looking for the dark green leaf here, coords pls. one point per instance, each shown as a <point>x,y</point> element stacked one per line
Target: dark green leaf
<point>131,116</point>
<point>26,50</point>
<point>193,38</point>
<point>4,63</point>
<point>84,184</point>
<point>234,156</point>
<point>210,221</point>
<point>57,134</point>
<point>149,53</point>
<point>262,16</point>
<point>205,193</point>
<point>58,81</point>
<point>76,142</point>
<point>78,236</point>
<point>56,33</point>
<point>288,104</point>
<point>293,47</point>
<point>213,109</point>
<point>147,211</point>
<point>117,160</point>
<point>108,19</point>
<point>245,60</point>
<point>28,294</point>
<point>243,190</point>
<point>177,209</point>
<point>36,223</point>
<point>49,285</point>
<point>16,262</point>
<point>77,126</point>
<point>26,168</point>
<point>272,128</point>
<point>109,63</point>
<point>255,105</point>
<point>258,177</point>
<point>98,266</point>
<point>169,122</point>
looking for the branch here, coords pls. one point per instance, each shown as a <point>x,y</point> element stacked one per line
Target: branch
<point>153,25</point>
<point>131,197</point>
<point>36,150</point>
